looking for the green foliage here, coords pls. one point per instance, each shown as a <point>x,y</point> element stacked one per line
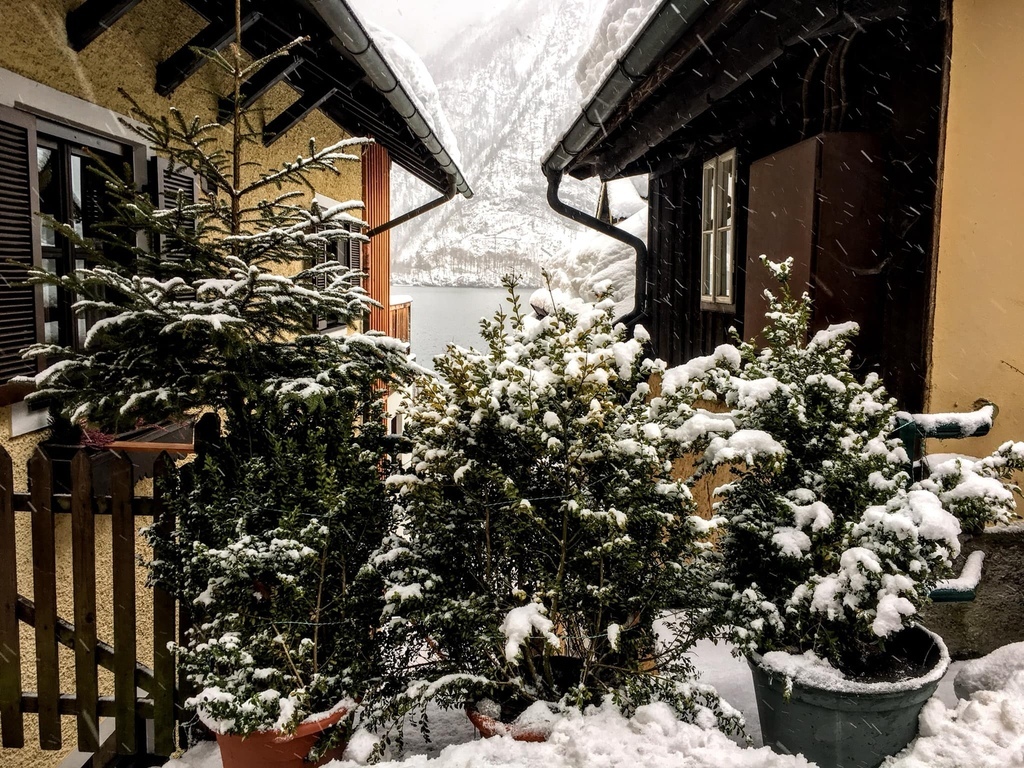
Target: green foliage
<point>270,553</point>
<point>209,304</point>
<point>277,520</point>
<point>830,545</point>
<point>541,520</point>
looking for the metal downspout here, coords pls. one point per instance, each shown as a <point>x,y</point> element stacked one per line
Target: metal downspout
<point>640,308</point>
<point>419,211</point>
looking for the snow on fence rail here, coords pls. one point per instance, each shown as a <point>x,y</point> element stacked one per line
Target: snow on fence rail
<point>158,700</point>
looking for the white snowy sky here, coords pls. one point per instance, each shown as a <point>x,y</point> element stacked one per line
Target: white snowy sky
<point>426,25</point>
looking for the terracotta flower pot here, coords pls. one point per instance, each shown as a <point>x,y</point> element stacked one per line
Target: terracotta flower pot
<point>274,749</point>
<point>490,726</point>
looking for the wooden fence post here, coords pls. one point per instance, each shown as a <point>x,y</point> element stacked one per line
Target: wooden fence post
<point>44,575</point>
<point>123,535</point>
<point>83,559</point>
<point>12,724</point>
<point>163,620</point>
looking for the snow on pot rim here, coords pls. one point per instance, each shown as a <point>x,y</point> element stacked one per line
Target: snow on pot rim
<point>809,671</point>
<point>318,721</point>
<point>534,724</point>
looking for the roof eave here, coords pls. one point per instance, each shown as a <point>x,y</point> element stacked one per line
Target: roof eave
<point>349,31</point>
<point>659,34</point>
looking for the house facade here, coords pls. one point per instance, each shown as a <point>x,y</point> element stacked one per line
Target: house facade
<point>63,66</point>
<point>873,142</point>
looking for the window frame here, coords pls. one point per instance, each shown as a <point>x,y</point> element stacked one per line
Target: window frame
<point>45,112</point>
<point>67,144</point>
<point>717,226</point>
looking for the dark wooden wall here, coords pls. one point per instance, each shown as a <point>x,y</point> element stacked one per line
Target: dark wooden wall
<point>892,76</point>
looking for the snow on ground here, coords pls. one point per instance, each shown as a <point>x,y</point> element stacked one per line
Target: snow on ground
<point>985,731</point>
<point>608,741</point>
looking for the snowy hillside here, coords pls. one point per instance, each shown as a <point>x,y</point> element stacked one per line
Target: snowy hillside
<point>509,90</point>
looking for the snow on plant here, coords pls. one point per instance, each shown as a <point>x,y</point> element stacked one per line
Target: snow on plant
<point>543,532</point>
<point>220,304</point>
<point>270,554</point>
<point>830,546</point>
<point>277,518</point>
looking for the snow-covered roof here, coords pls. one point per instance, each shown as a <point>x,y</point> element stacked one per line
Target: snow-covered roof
<point>631,38</point>
<point>620,24</point>
<point>400,75</point>
<point>413,74</point>
<point>624,199</point>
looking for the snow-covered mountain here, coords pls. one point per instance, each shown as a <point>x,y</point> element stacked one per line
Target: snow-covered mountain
<point>509,90</point>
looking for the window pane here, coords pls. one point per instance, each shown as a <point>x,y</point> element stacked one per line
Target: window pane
<point>726,190</point>
<point>708,198</point>
<point>705,263</point>
<point>723,264</point>
<point>49,194</point>
<point>76,195</point>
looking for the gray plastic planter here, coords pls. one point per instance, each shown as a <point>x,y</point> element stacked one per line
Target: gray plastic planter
<point>854,728</point>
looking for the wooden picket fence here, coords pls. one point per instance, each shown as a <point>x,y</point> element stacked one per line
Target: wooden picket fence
<point>145,703</point>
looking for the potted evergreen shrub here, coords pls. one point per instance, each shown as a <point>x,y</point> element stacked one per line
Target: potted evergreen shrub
<point>276,520</point>
<point>830,547</point>
<point>542,532</point>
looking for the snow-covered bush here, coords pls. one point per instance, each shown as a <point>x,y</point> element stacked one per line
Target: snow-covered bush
<point>541,520</point>
<point>270,555</point>
<point>830,545</point>
<point>276,522</point>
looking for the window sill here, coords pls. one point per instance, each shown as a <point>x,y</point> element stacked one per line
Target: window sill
<point>725,309</point>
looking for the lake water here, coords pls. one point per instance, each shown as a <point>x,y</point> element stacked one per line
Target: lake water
<point>442,315</point>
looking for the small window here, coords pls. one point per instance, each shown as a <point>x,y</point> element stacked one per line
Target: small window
<point>71,191</point>
<point>717,242</point>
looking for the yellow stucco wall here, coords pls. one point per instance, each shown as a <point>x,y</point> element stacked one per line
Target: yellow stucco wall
<point>979,292</point>
<point>33,45</point>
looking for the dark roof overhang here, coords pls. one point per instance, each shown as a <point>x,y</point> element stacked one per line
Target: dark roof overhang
<point>338,70</point>
<point>691,55</point>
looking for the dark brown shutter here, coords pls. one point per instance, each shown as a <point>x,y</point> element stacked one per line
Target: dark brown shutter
<point>20,308</point>
<point>354,249</point>
<point>167,185</point>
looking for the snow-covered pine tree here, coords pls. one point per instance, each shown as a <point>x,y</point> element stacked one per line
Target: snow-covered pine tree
<point>830,545</point>
<point>542,531</point>
<point>213,306</point>
<point>275,524</point>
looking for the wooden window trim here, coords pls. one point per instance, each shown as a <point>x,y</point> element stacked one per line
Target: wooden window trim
<point>713,301</point>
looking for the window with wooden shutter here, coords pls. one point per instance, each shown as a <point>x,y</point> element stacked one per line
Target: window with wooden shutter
<point>20,318</point>
<point>352,248</point>
<point>168,184</point>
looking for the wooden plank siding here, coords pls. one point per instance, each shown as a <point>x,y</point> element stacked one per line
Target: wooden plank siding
<point>680,328</point>
<point>377,254</point>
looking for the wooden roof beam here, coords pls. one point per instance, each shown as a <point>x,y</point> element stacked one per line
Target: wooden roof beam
<point>185,62</point>
<point>257,85</point>
<point>89,20</point>
<point>293,115</point>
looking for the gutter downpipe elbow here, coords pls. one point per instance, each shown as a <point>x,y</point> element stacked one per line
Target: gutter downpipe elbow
<point>640,305</point>
<point>418,211</point>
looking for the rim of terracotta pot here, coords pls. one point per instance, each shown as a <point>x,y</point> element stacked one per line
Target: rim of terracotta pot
<point>490,726</point>
<point>308,727</point>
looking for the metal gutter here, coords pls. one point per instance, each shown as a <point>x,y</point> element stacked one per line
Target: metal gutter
<point>351,34</point>
<point>659,34</point>
<point>642,291</point>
